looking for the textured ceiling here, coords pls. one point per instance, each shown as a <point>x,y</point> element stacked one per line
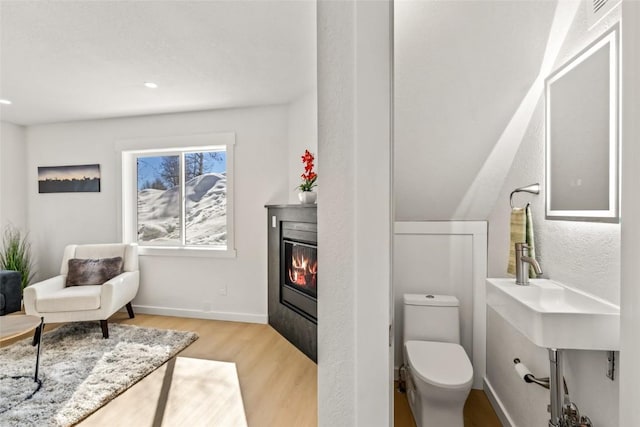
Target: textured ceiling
<point>64,61</point>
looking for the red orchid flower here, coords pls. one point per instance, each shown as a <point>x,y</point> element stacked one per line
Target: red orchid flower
<point>309,177</point>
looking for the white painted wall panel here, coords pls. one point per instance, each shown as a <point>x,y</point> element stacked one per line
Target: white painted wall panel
<point>434,264</point>
<point>526,404</point>
<point>450,258</point>
<point>630,292</point>
<point>521,400</point>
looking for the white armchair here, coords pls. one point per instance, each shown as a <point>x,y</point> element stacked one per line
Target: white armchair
<point>52,300</point>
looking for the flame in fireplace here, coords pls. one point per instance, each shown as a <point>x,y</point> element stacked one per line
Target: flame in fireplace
<point>299,262</point>
<point>303,270</point>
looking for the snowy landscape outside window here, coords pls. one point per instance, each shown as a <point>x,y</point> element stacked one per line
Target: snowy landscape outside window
<point>182,198</point>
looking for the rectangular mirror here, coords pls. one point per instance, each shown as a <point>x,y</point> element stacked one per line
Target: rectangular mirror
<point>582,134</point>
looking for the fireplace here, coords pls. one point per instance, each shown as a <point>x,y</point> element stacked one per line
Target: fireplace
<point>293,274</point>
<point>299,268</point>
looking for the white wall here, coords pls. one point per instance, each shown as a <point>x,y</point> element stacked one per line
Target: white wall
<point>171,285</point>
<point>630,292</point>
<point>584,255</point>
<point>354,216</point>
<point>303,135</point>
<point>13,177</point>
<point>461,70</point>
<point>374,217</point>
<point>336,215</point>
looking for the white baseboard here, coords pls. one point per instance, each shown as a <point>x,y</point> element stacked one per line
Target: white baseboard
<point>501,412</point>
<point>199,314</point>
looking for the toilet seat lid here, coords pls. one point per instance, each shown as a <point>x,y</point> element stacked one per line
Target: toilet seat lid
<point>441,364</point>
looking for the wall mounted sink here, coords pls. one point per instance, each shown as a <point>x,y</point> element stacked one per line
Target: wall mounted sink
<point>554,316</point>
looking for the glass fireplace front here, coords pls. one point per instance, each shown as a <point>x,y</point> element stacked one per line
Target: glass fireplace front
<point>301,267</point>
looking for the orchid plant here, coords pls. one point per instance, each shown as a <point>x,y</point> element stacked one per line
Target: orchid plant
<point>309,177</point>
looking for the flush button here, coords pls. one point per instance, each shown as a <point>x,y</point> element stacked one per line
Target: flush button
<point>430,296</point>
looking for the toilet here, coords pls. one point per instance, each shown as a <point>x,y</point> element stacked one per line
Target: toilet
<point>438,371</point>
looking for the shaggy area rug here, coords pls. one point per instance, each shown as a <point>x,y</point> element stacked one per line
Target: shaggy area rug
<point>80,371</point>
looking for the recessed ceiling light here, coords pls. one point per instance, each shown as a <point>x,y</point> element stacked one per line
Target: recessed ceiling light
<point>151,85</point>
<point>5,102</point>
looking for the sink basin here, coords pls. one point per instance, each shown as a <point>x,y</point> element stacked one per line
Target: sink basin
<point>554,316</point>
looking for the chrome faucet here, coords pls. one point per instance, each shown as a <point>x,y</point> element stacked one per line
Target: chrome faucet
<point>522,264</point>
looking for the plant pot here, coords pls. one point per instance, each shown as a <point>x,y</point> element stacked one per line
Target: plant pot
<point>307,197</point>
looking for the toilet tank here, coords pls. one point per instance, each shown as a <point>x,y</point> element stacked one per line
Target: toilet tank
<point>431,318</point>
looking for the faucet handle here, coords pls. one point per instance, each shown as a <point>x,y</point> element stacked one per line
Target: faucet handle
<point>522,245</point>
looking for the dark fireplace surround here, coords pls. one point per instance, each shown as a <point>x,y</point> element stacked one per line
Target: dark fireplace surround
<point>293,274</point>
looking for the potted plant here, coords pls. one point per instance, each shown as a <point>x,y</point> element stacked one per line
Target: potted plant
<point>309,177</point>
<point>15,254</point>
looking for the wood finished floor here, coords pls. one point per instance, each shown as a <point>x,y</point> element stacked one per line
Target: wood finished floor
<point>278,382</point>
<point>478,412</point>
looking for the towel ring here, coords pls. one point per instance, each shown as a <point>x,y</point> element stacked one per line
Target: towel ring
<point>533,189</point>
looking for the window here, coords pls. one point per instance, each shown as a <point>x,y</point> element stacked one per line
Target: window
<point>178,200</point>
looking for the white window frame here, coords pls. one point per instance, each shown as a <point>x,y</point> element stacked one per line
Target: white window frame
<point>130,150</point>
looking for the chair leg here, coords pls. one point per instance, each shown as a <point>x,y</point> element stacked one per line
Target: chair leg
<point>130,310</point>
<point>105,328</point>
<point>36,335</point>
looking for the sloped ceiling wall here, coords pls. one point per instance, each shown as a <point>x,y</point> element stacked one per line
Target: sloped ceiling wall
<point>462,70</point>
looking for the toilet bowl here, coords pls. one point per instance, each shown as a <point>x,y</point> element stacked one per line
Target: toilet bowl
<point>439,372</point>
<point>439,380</point>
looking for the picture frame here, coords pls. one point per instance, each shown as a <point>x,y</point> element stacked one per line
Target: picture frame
<point>69,179</point>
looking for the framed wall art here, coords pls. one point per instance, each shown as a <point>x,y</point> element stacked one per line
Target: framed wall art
<point>69,179</point>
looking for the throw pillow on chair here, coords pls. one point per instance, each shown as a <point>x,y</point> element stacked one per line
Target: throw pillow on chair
<point>90,271</point>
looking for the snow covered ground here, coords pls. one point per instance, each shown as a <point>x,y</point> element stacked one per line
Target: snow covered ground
<point>205,214</point>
